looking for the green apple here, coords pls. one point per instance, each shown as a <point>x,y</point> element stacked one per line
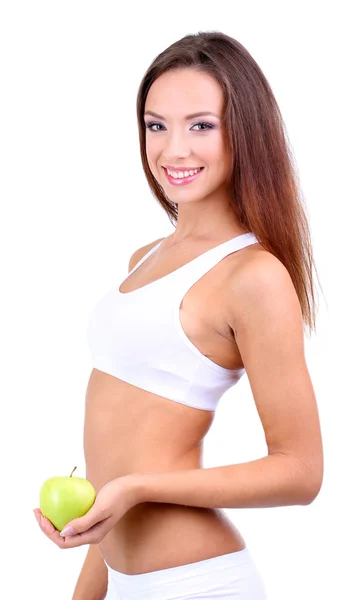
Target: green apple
<point>63,499</point>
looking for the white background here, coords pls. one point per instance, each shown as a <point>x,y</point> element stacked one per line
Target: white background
<point>75,205</point>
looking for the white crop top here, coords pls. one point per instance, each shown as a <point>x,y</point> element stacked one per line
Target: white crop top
<point>137,336</point>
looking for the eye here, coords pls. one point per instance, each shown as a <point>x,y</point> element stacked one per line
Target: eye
<point>206,125</point>
<point>150,124</point>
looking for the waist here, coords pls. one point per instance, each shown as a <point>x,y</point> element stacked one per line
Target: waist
<point>126,432</point>
<point>153,536</point>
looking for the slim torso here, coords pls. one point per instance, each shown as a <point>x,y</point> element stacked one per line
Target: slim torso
<point>129,430</point>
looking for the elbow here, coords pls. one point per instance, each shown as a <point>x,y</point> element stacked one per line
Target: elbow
<point>308,476</point>
<point>313,491</point>
<point>312,483</point>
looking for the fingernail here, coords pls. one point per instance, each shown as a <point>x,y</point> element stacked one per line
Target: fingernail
<point>37,518</point>
<point>67,531</point>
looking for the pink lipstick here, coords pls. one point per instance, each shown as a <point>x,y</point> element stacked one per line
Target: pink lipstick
<point>182,180</point>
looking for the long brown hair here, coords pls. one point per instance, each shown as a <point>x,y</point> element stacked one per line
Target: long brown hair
<point>264,183</point>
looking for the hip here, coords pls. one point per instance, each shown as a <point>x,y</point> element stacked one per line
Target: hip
<point>233,575</point>
<point>153,536</point>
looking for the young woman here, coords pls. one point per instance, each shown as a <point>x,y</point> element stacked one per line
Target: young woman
<point>229,290</point>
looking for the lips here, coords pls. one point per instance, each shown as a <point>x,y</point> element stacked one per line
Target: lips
<point>182,180</point>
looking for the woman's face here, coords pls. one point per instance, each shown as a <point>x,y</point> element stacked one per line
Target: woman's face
<point>179,141</point>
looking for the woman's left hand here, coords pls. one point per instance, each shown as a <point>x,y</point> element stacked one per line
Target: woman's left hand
<point>111,503</point>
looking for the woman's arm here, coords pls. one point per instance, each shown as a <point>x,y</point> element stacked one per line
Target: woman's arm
<point>274,480</point>
<point>264,312</point>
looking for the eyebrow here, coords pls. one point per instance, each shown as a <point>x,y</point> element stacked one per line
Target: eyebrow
<point>192,116</point>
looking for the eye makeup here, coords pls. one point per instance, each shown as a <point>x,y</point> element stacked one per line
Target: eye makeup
<point>207,126</point>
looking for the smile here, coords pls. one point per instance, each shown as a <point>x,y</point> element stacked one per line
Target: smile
<point>182,177</point>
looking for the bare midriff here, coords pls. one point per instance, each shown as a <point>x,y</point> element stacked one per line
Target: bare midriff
<point>130,430</point>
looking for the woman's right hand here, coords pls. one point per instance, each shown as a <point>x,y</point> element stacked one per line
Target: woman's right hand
<point>48,528</point>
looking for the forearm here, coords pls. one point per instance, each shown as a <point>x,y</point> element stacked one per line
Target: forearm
<point>92,581</point>
<point>274,480</point>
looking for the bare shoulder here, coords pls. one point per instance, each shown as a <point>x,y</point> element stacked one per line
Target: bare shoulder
<point>258,281</point>
<point>263,309</point>
<point>140,252</point>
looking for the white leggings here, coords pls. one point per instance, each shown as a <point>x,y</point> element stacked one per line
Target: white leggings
<point>231,576</point>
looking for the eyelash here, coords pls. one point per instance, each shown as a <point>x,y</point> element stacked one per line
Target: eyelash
<point>150,124</point>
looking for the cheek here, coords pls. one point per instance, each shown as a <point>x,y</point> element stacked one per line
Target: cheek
<point>213,150</point>
<point>151,154</point>
<point>154,153</point>
<point>216,160</point>
<point>153,142</point>
<point>223,157</point>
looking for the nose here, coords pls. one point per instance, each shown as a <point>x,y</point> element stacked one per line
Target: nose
<point>176,146</point>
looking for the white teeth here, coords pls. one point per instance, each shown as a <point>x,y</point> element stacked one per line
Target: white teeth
<point>182,174</point>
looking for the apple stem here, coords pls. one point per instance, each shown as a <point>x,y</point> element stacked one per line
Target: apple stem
<point>73,471</point>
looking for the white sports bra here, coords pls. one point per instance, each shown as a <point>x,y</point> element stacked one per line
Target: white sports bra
<point>137,336</point>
